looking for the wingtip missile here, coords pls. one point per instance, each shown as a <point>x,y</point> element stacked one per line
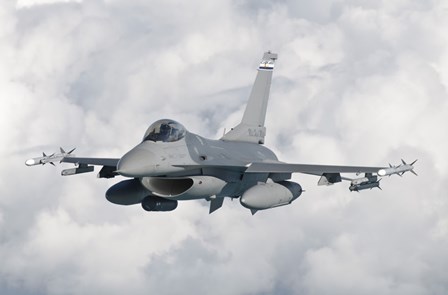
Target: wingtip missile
<point>31,162</point>
<point>49,158</point>
<point>399,170</point>
<point>63,152</point>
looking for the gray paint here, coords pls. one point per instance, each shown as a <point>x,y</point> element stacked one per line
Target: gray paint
<point>174,164</point>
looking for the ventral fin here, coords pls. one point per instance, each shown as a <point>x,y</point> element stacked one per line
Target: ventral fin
<point>215,204</point>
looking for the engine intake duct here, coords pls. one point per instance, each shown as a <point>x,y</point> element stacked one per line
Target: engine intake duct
<point>184,188</point>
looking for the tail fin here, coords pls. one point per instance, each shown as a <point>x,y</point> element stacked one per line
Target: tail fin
<point>251,128</point>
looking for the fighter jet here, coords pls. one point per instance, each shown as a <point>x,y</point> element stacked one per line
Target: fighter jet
<point>171,164</point>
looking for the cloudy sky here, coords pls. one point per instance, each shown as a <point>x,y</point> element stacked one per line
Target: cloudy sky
<point>357,82</point>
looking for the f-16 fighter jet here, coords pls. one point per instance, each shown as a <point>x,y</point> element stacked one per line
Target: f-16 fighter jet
<point>171,164</point>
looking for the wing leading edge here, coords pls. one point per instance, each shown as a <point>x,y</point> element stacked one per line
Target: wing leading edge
<point>108,170</point>
<point>111,162</point>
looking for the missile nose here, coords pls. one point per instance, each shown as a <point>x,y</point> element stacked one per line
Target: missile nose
<point>30,162</point>
<point>138,162</point>
<point>381,172</point>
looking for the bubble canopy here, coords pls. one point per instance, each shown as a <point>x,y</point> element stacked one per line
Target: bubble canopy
<point>165,130</point>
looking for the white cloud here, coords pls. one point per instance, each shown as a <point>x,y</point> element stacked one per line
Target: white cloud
<point>357,82</point>
<point>27,3</point>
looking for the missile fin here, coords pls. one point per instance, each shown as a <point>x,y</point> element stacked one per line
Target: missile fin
<point>71,151</point>
<point>413,162</point>
<point>62,150</point>
<point>52,163</point>
<point>413,172</point>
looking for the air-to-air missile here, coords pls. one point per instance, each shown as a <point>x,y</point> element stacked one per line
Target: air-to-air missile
<point>49,158</point>
<point>369,181</point>
<point>399,170</point>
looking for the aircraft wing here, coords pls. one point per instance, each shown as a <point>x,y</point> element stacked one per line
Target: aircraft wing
<point>108,170</point>
<point>111,162</point>
<point>307,168</point>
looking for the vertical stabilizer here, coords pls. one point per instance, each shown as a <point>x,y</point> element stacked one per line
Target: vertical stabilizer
<point>251,128</point>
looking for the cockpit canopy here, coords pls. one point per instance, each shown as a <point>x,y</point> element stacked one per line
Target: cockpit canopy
<point>165,131</point>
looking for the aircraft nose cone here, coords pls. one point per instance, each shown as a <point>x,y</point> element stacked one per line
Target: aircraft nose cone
<point>138,162</point>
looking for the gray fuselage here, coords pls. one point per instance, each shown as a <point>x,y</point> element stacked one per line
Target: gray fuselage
<point>194,155</point>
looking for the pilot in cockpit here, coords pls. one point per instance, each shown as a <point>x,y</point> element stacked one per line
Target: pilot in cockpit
<point>165,131</point>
